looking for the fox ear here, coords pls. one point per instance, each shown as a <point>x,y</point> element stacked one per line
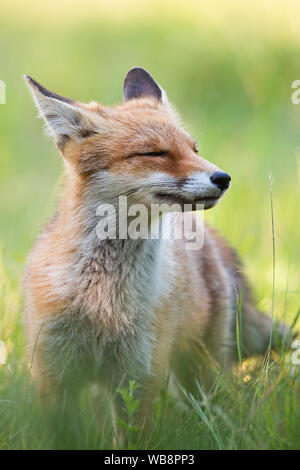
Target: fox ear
<point>138,83</point>
<point>64,117</point>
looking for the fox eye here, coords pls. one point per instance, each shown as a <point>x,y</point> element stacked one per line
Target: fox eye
<point>195,148</point>
<point>154,154</point>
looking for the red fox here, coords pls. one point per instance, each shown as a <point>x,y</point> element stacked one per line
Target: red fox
<point>119,309</point>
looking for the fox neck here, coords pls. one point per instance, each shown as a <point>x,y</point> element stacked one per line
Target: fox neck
<point>79,220</point>
<point>120,254</point>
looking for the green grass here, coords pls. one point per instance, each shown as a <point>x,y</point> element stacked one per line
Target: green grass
<point>230,74</point>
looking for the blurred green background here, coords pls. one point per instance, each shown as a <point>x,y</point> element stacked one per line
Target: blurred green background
<point>228,66</point>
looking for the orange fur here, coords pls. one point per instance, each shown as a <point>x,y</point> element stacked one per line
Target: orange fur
<point>130,309</point>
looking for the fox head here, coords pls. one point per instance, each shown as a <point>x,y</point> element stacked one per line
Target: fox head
<point>136,149</point>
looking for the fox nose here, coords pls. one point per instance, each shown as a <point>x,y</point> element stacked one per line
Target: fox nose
<point>220,179</point>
